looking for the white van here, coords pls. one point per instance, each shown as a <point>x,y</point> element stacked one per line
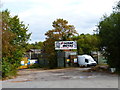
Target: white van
<point>86,60</point>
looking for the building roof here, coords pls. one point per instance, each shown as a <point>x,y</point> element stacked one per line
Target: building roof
<point>34,50</point>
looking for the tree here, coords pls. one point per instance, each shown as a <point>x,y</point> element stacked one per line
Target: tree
<point>61,31</point>
<point>14,40</point>
<point>36,45</point>
<point>87,43</point>
<point>109,32</point>
<point>117,7</point>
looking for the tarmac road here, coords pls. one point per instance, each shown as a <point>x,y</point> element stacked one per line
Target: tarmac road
<point>61,78</point>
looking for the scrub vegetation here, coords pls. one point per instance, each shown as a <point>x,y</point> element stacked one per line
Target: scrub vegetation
<point>14,43</point>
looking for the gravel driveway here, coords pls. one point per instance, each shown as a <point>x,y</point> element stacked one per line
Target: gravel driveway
<point>61,78</point>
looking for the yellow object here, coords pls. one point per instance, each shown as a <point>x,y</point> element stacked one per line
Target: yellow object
<point>24,62</point>
<point>68,60</point>
<point>22,67</point>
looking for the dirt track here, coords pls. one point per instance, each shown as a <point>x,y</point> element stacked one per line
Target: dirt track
<point>61,78</point>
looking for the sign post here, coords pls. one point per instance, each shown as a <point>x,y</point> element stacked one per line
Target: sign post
<point>62,60</point>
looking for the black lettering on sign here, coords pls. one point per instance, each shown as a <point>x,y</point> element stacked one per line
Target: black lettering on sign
<point>67,45</point>
<point>68,42</point>
<point>64,45</point>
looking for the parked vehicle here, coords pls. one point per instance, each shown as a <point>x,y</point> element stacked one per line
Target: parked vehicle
<point>86,60</point>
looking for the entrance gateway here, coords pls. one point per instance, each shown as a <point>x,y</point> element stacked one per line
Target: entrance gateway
<point>66,57</point>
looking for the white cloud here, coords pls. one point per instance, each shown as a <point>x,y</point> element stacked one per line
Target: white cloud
<point>83,14</point>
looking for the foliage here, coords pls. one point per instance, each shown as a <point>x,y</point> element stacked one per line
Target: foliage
<point>14,39</point>
<point>61,31</point>
<point>36,65</point>
<point>117,8</point>
<point>36,45</point>
<point>109,32</point>
<point>87,43</point>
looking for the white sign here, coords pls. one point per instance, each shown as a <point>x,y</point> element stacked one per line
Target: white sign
<point>63,45</point>
<point>22,63</point>
<point>75,60</point>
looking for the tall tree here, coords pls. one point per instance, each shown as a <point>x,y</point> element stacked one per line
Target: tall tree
<point>14,39</point>
<point>61,31</point>
<point>109,32</point>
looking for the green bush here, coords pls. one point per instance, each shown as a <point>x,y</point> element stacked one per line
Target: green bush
<point>8,69</point>
<point>10,64</point>
<point>36,65</point>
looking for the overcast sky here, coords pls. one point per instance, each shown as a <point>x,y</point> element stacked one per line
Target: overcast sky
<point>39,14</point>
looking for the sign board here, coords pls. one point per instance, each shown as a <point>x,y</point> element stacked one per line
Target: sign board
<point>64,45</point>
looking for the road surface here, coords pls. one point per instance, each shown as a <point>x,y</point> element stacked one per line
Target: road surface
<point>61,78</point>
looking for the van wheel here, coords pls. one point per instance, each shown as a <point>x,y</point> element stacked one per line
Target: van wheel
<point>88,65</point>
<point>80,66</point>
